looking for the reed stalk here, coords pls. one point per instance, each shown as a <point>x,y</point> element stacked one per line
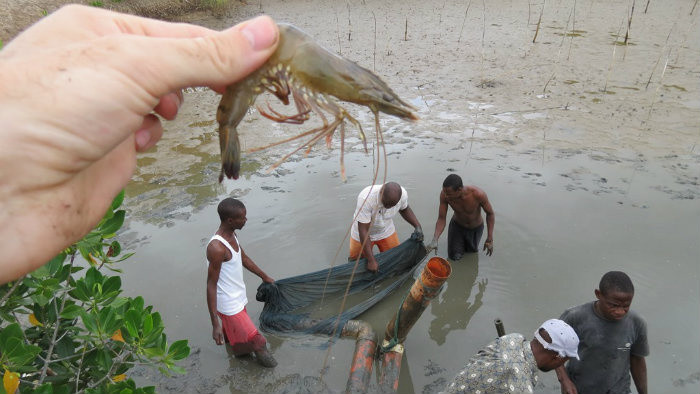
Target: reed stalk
<point>539,22</point>
<point>612,60</point>
<point>464,21</point>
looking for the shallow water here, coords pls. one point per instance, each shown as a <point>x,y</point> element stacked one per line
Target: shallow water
<point>582,182</point>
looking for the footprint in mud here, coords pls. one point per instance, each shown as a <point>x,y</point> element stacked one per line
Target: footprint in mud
<point>571,188</point>
<point>275,189</point>
<point>488,84</point>
<point>433,368</point>
<point>691,379</point>
<point>192,382</point>
<point>687,194</point>
<point>685,176</point>
<point>435,386</point>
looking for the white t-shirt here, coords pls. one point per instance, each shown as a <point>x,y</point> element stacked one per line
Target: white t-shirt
<point>230,289</point>
<point>383,225</point>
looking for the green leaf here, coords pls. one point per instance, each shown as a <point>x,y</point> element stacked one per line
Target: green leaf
<point>118,302</point>
<point>89,321</point>
<point>19,354</point>
<point>71,311</point>
<point>178,369</point>
<point>147,324</point>
<point>109,321</point>
<point>132,320</point>
<point>85,252</point>
<point>113,224</point>
<point>157,321</point>
<point>179,350</point>
<point>117,202</point>
<point>45,388</point>
<point>11,331</point>
<point>6,316</point>
<point>65,347</point>
<point>104,360</point>
<point>40,299</point>
<point>50,268</point>
<point>116,248</point>
<point>137,303</point>
<point>81,291</point>
<point>112,284</point>
<point>92,276</point>
<point>154,352</point>
<point>56,263</point>
<point>154,337</point>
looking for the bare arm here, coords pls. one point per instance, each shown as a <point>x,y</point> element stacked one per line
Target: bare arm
<point>408,215</point>
<point>638,369</point>
<point>216,255</point>
<point>490,221</point>
<point>440,223</point>
<point>252,267</point>
<point>567,386</point>
<point>363,229</point>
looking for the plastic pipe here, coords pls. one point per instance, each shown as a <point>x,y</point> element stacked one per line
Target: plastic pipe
<point>424,289</point>
<point>499,327</point>
<point>363,359</point>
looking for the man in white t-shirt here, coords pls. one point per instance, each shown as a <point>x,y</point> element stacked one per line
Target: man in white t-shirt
<point>226,293</point>
<point>376,206</point>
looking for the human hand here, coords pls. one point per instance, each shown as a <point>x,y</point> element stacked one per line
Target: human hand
<point>268,279</point>
<point>419,233</point>
<point>218,334</point>
<point>78,97</point>
<point>488,247</point>
<point>372,265</point>
<point>433,245</point>
<point>568,386</point>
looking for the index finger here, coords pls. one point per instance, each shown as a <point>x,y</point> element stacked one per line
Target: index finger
<point>220,58</point>
<point>77,22</point>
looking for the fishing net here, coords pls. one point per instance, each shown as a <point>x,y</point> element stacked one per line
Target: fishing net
<point>296,304</point>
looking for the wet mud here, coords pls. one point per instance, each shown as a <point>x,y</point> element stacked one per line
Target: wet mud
<point>589,151</point>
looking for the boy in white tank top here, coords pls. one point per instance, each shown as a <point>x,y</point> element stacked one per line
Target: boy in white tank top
<point>226,293</point>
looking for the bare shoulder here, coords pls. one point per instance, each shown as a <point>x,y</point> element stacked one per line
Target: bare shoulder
<point>476,191</point>
<point>216,251</point>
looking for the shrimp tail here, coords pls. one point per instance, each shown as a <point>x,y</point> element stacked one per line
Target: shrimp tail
<point>232,108</point>
<point>230,153</point>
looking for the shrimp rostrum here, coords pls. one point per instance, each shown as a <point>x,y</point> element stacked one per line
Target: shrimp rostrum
<point>314,77</point>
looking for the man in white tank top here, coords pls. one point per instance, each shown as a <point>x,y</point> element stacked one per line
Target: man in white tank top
<point>226,293</point>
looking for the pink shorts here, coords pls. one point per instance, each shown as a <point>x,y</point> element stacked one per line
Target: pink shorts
<point>241,333</point>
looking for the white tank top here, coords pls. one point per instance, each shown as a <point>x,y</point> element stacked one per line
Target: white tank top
<point>230,289</point>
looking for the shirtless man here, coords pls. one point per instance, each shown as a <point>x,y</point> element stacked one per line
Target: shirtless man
<point>466,225</point>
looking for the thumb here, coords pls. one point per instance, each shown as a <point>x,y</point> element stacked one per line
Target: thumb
<point>167,64</point>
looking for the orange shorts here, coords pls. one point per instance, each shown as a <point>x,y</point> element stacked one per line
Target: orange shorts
<point>385,244</point>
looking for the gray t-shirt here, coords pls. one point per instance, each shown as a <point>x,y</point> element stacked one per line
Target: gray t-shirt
<point>604,347</point>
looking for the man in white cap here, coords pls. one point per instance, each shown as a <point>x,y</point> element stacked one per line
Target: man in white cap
<point>510,363</point>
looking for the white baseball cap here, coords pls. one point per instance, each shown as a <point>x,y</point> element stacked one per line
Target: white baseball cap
<point>564,338</point>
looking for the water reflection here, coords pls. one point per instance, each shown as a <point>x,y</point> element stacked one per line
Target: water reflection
<point>457,292</point>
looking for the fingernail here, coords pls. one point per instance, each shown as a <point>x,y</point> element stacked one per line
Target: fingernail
<point>142,138</point>
<point>260,32</point>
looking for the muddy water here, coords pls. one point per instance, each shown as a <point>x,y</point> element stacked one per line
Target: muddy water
<point>588,170</point>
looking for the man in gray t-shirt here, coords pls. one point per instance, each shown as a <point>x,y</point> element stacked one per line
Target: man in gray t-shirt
<point>613,342</point>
